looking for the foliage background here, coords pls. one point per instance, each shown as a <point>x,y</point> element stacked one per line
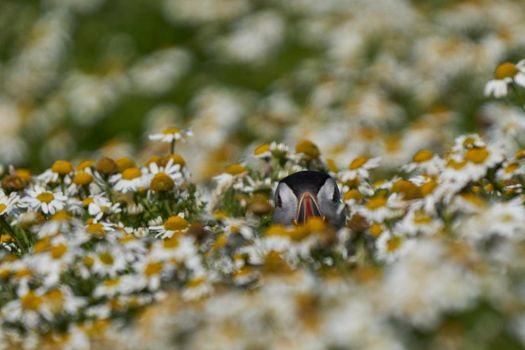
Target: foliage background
<point>91,78</point>
<point>73,72</point>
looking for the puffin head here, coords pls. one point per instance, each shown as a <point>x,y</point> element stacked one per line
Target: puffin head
<point>306,194</point>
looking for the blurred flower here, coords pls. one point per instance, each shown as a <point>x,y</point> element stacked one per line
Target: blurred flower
<point>505,74</point>
<point>170,135</point>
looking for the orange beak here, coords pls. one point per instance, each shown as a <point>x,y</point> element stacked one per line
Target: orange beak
<point>307,208</point>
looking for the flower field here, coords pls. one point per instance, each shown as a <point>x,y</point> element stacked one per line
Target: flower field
<point>142,143</point>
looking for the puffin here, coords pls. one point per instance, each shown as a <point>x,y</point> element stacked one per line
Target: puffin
<point>307,194</point>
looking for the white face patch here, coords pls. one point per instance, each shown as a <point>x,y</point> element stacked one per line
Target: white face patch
<point>328,192</point>
<point>285,205</point>
<point>285,197</point>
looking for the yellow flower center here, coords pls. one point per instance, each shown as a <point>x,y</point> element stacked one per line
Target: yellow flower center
<point>393,144</point>
<point>352,194</point>
<point>41,245</point>
<point>3,207</point>
<point>58,251</point>
<point>171,243</point>
<point>506,70</point>
<point>428,187</point>
<point>61,216</point>
<point>474,199</point>
<point>106,258</point>
<point>24,174</point>
<point>376,230</point>
<point>235,169</point>
<point>308,148</point>
<point>276,230</point>
<point>112,282</point>
<point>55,296</point>
<point>469,142</point>
<point>88,261</point>
<point>477,155</point>
<point>87,201</point>
<point>95,229</point>
<point>422,156</point>
<point>299,232</point>
<point>421,218</point>
<point>274,263</point>
<point>455,164</point>
<point>376,202</point>
<point>407,188</point>
<point>316,224</point>
<point>62,167</point>
<point>107,166</point>
<point>331,165</point>
<point>82,178</point>
<point>31,301</point>
<point>261,149</point>
<point>176,223</point>
<point>131,173</point>
<point>154,159</point>
<point>86,164</point>
<point>220,242</point>
<point>220,215</point>
<point>358,162</point>
<point>24,272</point>
<point>196,282</point>
<point>512,167</point>
<point>124,163</point>
<point>176,159</point>
<point>520,154</point>
<point>153,269</point>
<point>5,238</point>
<point>45,197</point>
<point>171,131</point>
<point>161,182</point>
<point>393,244</point>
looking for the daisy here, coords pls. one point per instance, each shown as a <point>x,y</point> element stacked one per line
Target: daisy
<point>170,135</point>
<point>510,169</point>
<point>98,206</point>
<point>505,74</point>
<point>381,207</point>
<point>28,308</point>
<point>228,178</point>
<point>179,248</point>
<point>174,224</point>
<point>98,229</point>
<point>163,178</point>
<point>424,161</point>
<point>129,180</point>
<point>499,219</point>
<point>108,261</point>
<point>8,203</point>
<point>197,288</point>
<point>470,160</point>
<point>359,168</point>
<point>391,247</point>
<point>277,150</point>
<point>49,202</point>
<point>61,169</point>
<point>150,271</point>
<point>425,282</point>
<point>416,221</point>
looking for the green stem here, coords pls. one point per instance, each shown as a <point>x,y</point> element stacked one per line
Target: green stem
<point>13,233</point>
<point>518,93</point>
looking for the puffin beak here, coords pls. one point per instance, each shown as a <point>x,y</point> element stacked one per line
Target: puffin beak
<point>307,208</point>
